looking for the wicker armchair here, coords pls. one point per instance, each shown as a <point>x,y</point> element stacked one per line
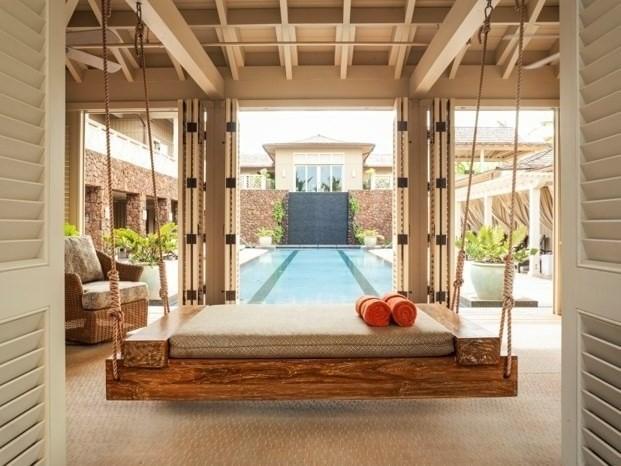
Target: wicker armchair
<point>87,306</point>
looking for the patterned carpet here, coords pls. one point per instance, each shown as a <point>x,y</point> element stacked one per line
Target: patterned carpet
<point>514,431</point>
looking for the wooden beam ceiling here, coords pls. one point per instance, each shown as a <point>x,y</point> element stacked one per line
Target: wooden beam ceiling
<point>534,8</point>
<point>457,61</point>
<point>402,33</point>
<point>119,55</point>
<point>167,23</point>
<point>464,19</point>
<point>226,33</point>
<point>251,18</point>
<point>285,32</point>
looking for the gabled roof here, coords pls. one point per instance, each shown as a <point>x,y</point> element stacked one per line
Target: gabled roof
<point>496,135</point>
<point>537,161</point>
<point>318,141</point>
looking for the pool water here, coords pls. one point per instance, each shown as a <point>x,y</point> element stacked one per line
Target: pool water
<point>314,276</point>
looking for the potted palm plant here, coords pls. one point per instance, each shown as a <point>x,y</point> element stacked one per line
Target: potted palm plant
<point>143,250</point>
<point>486,251</point>
<point>265,236</point>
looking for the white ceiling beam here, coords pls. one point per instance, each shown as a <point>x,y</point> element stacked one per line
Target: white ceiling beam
<point>177,66</point>
<point>457,61</point>
<point>76,70</point>
<point>251,18</point>
<point>169,26</point>
<point>118,55</point>
<point>405,32</point>
<point>228,34</point>
<point>283,33</point>
<point>462,21</point>
<point>533,9</point>
<point>344,54</point>
<point>69,9</point>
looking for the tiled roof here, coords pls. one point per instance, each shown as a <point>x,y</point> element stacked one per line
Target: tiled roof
<point>537,161</point>
<point>319,139</point>
<point>259,160</point>
<point>488,135</point>
<point>378,160</point>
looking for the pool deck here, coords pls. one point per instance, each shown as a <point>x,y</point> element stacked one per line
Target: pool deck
<point>248,254</point>
<point>382,253</point>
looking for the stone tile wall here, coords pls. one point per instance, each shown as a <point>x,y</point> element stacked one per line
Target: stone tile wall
<point>256,211</point>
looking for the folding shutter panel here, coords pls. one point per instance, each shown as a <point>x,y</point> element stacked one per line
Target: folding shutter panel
<point>231,219</point>
<point>192,181</point>
<point>601,135</point>
<point>600,238</point>
<point>440,202</point>
<point>400,199</point>
<point>590,230</point>
<point>22,132</point>
<point>31,244</point>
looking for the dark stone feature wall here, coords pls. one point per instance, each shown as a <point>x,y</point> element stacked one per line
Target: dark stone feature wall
<point>318,218</point>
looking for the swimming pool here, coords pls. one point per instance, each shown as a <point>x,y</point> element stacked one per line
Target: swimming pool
<point>315,275</point>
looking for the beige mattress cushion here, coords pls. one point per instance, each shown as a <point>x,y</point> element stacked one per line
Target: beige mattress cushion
<point>302,331</point>
<point>97,294</point>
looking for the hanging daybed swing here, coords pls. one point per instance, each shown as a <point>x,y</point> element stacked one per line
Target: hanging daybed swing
<point>270,352</point>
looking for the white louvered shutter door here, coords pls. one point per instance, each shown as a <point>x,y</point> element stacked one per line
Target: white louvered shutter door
<point>31,247</point>
<point>591,230</point>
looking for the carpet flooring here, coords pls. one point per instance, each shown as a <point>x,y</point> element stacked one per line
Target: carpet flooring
<point>514,431</point>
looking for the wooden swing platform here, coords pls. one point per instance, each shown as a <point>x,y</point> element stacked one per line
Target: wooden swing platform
<point>148,372</point>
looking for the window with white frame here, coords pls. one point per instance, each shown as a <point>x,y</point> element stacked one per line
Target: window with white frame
<point>318,172</point>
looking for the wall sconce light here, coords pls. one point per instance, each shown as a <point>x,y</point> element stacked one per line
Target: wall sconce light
<point>283,173</point>
<point>353,173</point>
<point>144,214</point>
<point>107,213</point>
<point>170,216</point>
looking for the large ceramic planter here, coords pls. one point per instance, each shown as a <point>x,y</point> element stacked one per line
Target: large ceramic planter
<point>265,241</point>
<point>370,241</point>
<point>151,276</point>
<point>487,280</point>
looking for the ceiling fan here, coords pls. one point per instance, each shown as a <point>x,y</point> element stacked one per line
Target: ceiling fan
<point>80,56</point>
<point>550,59</point>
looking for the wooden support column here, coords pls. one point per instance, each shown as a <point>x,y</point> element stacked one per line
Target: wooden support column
<point>534,228</point>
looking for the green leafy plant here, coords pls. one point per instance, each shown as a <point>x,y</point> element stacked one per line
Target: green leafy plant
<point>71,230</point>
<point>143,249</point>
<point>278,214</point>
<point>361,233</point>
<point>491,245</point>
<point>265,232</point>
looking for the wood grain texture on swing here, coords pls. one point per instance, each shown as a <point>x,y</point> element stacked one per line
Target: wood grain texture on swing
<point>147,373</point>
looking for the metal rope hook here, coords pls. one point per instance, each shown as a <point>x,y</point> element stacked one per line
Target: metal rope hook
<point>461,256</point>
<point>139,45</point>
<point>116,311</point>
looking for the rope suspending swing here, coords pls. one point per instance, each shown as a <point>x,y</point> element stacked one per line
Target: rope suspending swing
<point>507,301</point>
<point>113,275</point>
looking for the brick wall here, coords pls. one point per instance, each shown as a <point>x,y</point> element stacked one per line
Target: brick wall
<point>127,178</point>
<point>256,211</point>
<point>375,211</point>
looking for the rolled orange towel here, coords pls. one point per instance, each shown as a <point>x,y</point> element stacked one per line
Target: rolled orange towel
<point>375,312</point>
<point>360,301</point>
<point>402,310</point>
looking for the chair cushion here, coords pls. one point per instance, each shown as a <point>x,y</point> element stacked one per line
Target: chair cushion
<point>81,258</point>
<point>97,294</point>
<point>302,331</point>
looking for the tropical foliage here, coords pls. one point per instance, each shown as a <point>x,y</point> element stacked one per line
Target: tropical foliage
<point>491,245</point>
<point>143,249</point>
<point>71,230</point>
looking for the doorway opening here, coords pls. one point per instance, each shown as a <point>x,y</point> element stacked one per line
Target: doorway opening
<point>316,207</point>
<point>490,198</point>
